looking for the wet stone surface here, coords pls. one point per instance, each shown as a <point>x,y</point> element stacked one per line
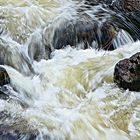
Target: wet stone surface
<point>127,73</point>
<point>4,77</point>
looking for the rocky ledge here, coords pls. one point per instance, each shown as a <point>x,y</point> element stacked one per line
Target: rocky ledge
<point>127,73</point>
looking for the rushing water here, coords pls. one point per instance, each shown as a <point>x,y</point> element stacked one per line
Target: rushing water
<point>70,96</point>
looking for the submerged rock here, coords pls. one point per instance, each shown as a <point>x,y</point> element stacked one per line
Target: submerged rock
<point>12,55</point>
<point>127,73</point>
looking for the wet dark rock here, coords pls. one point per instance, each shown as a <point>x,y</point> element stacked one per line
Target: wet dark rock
<point>129,16</point>
<point>81,33</point>
<point>130,5</point>
<point>127,73</point>
<point>86,32</point>
<point>4,80</point>
<point>4,77</point>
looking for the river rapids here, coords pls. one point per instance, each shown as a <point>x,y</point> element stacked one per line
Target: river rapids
<point>71,96</point>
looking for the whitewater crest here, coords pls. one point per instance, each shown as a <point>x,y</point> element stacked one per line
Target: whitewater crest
<point>63,89</point>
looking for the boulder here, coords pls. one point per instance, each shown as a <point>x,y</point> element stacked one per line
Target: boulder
<point>85,32</point>
<point>127,73</point>
<point>4,77</point>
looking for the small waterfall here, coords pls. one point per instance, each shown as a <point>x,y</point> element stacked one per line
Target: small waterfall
<point>122,38</point>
